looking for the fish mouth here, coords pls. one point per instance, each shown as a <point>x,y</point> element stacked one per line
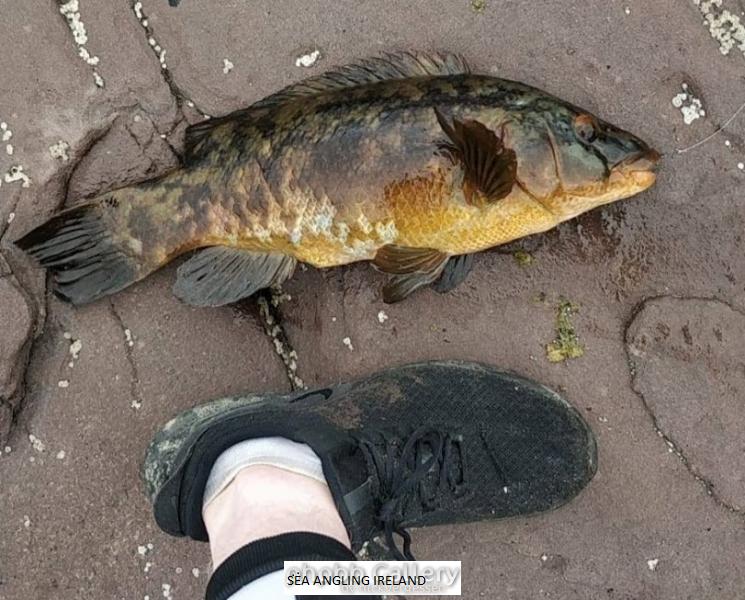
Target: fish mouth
<point>638,168</point>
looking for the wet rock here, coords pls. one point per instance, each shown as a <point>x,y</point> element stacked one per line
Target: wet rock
<point>688,357</point>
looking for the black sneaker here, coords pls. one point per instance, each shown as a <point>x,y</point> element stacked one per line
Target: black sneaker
<point>425,444</point>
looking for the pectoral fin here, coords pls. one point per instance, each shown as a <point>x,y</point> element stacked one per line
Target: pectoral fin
<point>455,272</point>
<point>221,275</point>
<point>411,268</point>
<point>490,169</point>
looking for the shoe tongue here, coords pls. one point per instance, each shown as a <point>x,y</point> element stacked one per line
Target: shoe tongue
<point>351,486</point>
<point>346,466</point>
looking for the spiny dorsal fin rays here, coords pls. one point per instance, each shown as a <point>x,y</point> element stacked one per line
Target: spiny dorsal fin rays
<point>400,65</point>
<point>488,166</point>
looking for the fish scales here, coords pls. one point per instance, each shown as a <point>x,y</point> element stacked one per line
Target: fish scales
<point>332,181</point>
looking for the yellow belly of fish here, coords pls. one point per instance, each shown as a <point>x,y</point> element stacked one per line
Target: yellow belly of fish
<point>455,228</point>
<point>463,229</point>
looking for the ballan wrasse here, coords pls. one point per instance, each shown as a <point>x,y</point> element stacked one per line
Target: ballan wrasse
<point>409,161</point>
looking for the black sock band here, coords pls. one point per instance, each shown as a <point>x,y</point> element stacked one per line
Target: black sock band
<point>267,555</point>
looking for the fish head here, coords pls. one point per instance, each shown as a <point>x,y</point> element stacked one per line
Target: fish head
<point>572,161</point>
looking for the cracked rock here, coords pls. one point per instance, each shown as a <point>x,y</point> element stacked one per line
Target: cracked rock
<point>131,151</point>
<point>6,420</point>
<point>15,323</point>
<point>44,128</point>
<point>687,358</point>
<point>16,320</point>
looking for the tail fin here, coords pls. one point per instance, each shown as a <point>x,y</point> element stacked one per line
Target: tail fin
<point>80,250</point>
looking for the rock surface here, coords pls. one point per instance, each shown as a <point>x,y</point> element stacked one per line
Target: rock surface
<point>16,324</point>
<point>666,407</point>
<point>688,357</point>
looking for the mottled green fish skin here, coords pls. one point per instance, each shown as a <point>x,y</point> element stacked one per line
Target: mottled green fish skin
<point>333,177</point>
<point>409,161</point>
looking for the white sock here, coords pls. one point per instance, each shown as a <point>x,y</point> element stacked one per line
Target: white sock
<point>273,451</point>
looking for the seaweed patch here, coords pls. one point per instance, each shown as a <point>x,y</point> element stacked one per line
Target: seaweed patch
<point>478,6</point>
<point>523,258</point>
<point>567,344</point>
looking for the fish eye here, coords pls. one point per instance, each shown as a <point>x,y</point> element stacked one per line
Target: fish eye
<point>585,128</point>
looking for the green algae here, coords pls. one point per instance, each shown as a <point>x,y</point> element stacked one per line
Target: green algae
<point>567,344</point>
<point>478,6</point>
<point>522,258</point>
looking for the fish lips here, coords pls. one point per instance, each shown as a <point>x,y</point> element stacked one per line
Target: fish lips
<point>639,168</point>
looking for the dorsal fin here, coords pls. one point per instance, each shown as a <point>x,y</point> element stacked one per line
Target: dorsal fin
<point>400,65</point>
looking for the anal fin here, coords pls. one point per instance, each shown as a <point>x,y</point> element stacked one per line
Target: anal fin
<point>400,286</point>
<point>455,272</point>
<point>221,275</point>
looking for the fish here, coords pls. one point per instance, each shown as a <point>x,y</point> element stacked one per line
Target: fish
<point>408,160</point>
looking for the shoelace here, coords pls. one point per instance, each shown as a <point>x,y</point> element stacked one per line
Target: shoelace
<point>400,474</point>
